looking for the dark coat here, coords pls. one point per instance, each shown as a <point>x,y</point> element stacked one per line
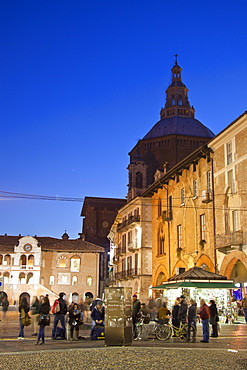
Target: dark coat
<point>192,314</point>
<point>182,312</point>
<point>213,314</point>
<point>98,314</point>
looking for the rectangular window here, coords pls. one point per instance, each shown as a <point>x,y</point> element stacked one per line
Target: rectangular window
<point>124,243</point>
<point>170,203</point>
<point>195,193</point>
<point>129,237</point>
<point>129,264</point>
<point>202,227</point>
<point>229,152</point>
<point>209,181</point>
<point>230,181</point>
<point>235,221</point>
<point>179,236</point>
<point>63,278</point>
<point>182,196</point>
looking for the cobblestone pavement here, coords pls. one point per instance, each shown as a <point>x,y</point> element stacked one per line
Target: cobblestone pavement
<point>229,351</point>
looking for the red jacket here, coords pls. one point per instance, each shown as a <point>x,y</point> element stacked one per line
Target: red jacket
<point>204,312</point>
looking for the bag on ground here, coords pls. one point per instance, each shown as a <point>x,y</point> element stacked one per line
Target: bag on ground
<point>98,332</point>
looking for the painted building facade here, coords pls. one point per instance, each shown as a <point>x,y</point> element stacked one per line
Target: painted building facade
<point>131,247</point>
<point>230,178</point>
<point>44,265</point>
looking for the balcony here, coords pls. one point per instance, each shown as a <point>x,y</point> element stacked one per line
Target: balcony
<point>228,242</point>
<point>127,274</point>
<point>167,215</point>
<point>115,260</point>
<point>132,247</point>
<point>207,196</point>
<point>131,221</point>
<point>121,251</point>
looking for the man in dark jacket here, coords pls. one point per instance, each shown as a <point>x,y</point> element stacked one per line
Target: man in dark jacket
<point>60,316</point>
<point>182,312</point>
<point>192,320</point>
<point>98,316</point>
<point>136,306</point>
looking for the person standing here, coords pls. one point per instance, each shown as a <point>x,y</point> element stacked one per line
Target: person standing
<point>214,318</point>
<point>152,305</point>
<point>244,307</point>
<point>35,314</point>
<point>182,312</point>
<point>60,316</point>
<point>204,314</point>
<point>175,310</point>
<point>192,320</point>
<point>23,308</point>
<point>44,319</point>
<point>5,306</point>
<point>74,320</point>
<point>136,306</point>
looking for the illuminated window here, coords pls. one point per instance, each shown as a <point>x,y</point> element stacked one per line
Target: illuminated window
<point>89,281</point>
<point>75,264</point>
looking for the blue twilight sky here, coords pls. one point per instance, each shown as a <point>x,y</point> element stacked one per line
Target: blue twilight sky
<point>81,81</point>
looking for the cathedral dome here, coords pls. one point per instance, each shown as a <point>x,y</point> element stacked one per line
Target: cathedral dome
<point>178,125</point>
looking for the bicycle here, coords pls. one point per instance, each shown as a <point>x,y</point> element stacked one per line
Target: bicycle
<point>151,330</point>
<point>180,331</point>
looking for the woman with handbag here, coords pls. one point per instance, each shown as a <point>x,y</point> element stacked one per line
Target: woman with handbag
<point>74,320</point>
<point>44,319</point>
<point>24,317</point>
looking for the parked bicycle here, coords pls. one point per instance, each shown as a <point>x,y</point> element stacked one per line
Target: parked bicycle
<point>152,330</point>
<point>180,331</point>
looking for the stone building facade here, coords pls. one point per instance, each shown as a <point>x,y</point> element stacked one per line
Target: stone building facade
<point>183,217</point>
<point>131,247</point>
<point>230,179</point>
<point>44,265</point>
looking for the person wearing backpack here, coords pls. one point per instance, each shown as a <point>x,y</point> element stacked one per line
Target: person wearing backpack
<point>59,309</point>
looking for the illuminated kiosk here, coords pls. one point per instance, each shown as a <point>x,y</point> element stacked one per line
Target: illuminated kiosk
<point>197,283</point>
<point>118,316</point>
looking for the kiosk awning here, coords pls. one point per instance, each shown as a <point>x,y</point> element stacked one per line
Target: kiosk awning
<point>197,284</point>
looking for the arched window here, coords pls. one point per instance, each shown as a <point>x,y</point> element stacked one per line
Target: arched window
<point>22,278</point>
<point>23,261</point>
<point>52,280</point>
<point>139,180</point>
<point>173,100</point>
<point>7,260</point>
<point>180,100</point>
<point>89,281</point>
<point>75,297</point>
<point>75,264</point>
<point>74,280</point>
<point>30,278</point>
<point>30,261</point>
<point>6,278</point>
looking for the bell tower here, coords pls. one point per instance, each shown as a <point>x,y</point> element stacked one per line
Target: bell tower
<point>137,176</point>
<point>177,103</point>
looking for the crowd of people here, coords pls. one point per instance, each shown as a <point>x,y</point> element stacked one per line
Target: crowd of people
<point>183,311</point>
<point>38,314</point>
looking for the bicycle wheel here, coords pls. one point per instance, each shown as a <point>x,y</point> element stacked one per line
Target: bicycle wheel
<point>183,331</point>
<point>163,332</point>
